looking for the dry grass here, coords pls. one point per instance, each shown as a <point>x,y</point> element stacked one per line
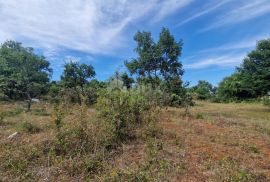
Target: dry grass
<point>217,142</point>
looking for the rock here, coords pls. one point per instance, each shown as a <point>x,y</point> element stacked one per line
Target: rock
<point>35,100</point>
<point>13,135</point>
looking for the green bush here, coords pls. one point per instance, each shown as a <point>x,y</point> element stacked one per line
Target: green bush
<point>124,111</point>
<point>28,127</point>
<point>14,112</point>
<point>266,101</point>
<point>2,117</point>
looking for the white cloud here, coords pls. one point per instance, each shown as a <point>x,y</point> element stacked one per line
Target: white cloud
<point>168,7</point>
<point>220,61</point>
<point>239,12</point>
<point>210,8</point>
<point>95,26</point>
<point>247,43</point>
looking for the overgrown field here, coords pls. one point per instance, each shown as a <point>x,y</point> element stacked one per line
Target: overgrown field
<point>215,142</point>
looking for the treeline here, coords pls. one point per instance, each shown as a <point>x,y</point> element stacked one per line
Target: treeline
<point>25,75</point>
<point>250,81</point>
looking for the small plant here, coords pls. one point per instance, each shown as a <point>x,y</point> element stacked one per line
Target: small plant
<point>2,117</point>
<point>266,101</point>
<point>58,115</point>
<point>17,165</point>
<point>14,112</point>
<point>28,127</point>
<point>40,112</point>
<point>199,116</point>
<point>253,148</point>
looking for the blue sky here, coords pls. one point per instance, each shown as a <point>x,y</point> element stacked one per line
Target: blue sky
<point>217,34</point>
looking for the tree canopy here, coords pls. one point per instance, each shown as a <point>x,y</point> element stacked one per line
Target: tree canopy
<point>203,90</point>
<point>157,61</point>
<point>252,77</point>
<point>23,74</point>
<point>76,76</point>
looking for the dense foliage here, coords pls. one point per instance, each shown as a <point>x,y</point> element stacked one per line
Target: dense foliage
<point>157,63</point>
<point>23,74</point>
<point>203,90</point>
<point>76,76</point>
<point>252,78</point>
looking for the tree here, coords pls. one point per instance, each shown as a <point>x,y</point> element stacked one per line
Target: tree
<point>251,79</point>
<point>232,88</point>
<point>169,51</point>
<point>93,89</point>
<point>203,90</point>
<point>146,66</point>
<point>157,61</point>
<point>23,74</point>
<point>255,69</point>
<point>76,76</point>
<point>127,81</point>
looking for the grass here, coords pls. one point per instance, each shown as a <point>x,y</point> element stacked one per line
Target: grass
<point>27,127</point>
<point>216,142</point>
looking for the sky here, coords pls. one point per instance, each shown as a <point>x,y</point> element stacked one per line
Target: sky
<point>217,34</point>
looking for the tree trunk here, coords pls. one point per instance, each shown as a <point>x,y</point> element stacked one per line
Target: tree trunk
<point>29,102</point>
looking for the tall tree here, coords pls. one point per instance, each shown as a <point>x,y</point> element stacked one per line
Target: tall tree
<point>255,69</point>
<point>157,60</point>
<point>251,79</point>
<point>127,81</point>
<point>169,51</point>
<point>23,74</point>
<point>76,76</point>
<point>146,65</point>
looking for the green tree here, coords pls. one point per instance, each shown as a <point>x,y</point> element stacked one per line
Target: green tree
<point>169,52</point>
<point>23,74</point>
<point>146,66</point>
<point>93,88</point>
<point>127,81</point>
<point>158,61</point>
<point>255,69</point>
<point>203,90</point>
<point>251,79</point>
<point>76,76</point>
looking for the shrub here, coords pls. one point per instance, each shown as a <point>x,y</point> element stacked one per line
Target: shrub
<point>199,116</point>
<point>2,117</point>
<point>124,111</point>
<point>14,112</point>
<point>266,101</point>
<point>28,127</point>
<point>58,115</point>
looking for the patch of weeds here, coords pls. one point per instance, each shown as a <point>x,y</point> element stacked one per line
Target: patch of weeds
<point>152,130</point>
<point>153,147</point>
<point>58,115</point>
<point>181,168</point>
<point>242,175</point>
<point>229,170</point>
<point>262,129</point>
<point>14,112</point>
<point>28,127</point>
<point>253,148</point>
<point>33,154</point>
<point>17,165</point>
<point>164,166</point>
<point>93,165</point>
<point>2,117</point>
<point>200,116</point>
<point>129,175</point>
<point>40,112</point>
